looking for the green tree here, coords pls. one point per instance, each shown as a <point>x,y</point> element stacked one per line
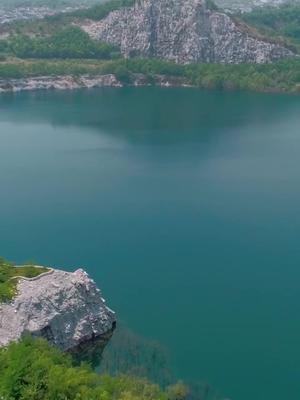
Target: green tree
<point>34,370</point>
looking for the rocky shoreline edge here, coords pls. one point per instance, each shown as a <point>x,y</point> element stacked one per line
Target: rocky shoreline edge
<point>63,307</point>
<point>71,82</point>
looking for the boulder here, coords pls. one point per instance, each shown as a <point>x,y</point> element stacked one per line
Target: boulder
<point>65,308</point>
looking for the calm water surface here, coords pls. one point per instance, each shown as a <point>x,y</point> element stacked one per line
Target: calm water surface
<point>184,206</point>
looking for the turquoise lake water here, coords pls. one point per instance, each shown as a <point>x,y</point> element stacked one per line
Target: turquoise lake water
<point>185,208</point>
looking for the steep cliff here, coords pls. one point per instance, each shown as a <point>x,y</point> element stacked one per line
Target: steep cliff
<point>65,308</point>
<point>183,31</point>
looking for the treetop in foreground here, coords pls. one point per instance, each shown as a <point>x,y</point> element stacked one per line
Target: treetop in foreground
<point>34,370</point>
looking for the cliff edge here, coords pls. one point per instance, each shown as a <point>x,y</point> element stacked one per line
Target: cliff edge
<point>183,31</point>
<point>65,308</point>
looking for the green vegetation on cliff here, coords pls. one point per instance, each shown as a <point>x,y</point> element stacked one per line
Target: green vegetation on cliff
<point>283,76</point>
<point>8,277</point>
<point>283,20</point>
<point>34,370</point>
<point>71,42</point>
<point>277,22</point>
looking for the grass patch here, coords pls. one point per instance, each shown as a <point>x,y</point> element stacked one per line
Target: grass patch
<point>8,285</point>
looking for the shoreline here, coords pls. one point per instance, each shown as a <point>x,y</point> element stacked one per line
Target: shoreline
<point>60,82</point>
<point>91,81</point>
<point>71,82</point>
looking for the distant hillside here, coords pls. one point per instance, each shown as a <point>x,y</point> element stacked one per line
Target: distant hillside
<point>91,41</point>
<point>10,4</point>
<point>249,5</point>
<point>184,31</point>
<point>234,5</point>
<point>278,21</point>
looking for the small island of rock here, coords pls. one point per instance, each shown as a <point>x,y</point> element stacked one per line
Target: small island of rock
<point>65,308</point>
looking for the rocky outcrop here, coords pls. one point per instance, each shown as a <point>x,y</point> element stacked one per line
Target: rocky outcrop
<point>183,31</point>
<point>65,308</point>
<point>57,82</point>
<point>69,82</point>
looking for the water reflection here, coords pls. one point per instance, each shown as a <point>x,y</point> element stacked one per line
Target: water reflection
<point>148,115</point>
<point>126,352</point>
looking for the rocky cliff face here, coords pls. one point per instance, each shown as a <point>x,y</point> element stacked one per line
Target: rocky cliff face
<point>65,308</point>
<point>183,31</point>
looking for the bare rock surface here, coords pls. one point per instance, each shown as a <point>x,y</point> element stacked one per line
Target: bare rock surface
<point>183,31</point>
<point>69,82</point>
<point>58,82</point>
<point>65,308</point>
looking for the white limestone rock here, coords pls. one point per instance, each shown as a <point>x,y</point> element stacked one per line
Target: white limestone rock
<point>65,308</point>
<point>183,31</point>
<point>66,82</point>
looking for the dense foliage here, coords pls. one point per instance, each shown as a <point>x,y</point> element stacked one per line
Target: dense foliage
<point>71,42</point>
<point>282,76</point>
<point>281,21</point>
<point>33,370</point>
<point>8,273</point>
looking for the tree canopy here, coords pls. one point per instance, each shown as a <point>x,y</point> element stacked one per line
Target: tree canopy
<point>70,42</point>
<point>34,370</point>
